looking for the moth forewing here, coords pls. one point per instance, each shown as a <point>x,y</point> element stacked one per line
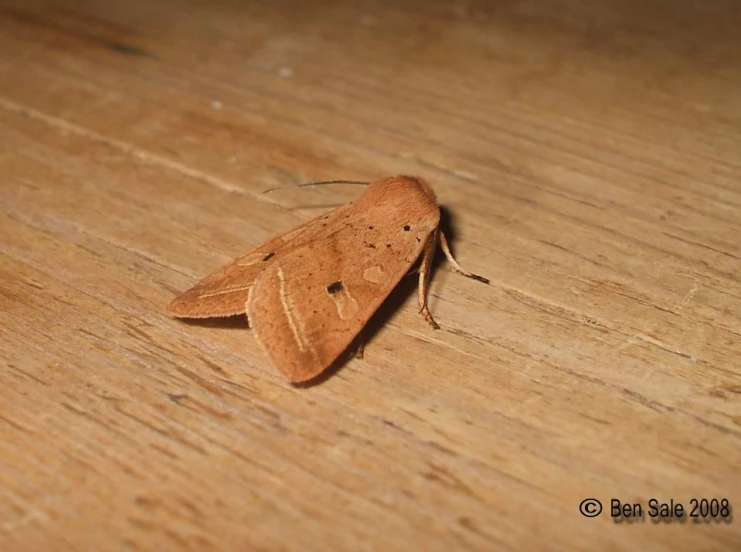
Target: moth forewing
<point>224,292</point>
<point>307,308</point>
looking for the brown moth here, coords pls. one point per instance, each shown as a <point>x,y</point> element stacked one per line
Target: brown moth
<point>309,292</point>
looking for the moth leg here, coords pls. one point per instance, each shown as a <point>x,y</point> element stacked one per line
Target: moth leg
<point>456,267</point>
<point>360,350</point>
<point>424,279</point>
<point>357,347</point>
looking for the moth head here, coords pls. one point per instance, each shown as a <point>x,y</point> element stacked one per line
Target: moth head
<point>424,185</point>
<point>400,193</point>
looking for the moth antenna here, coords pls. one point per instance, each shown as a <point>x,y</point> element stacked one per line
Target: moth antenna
<point>318,183</point>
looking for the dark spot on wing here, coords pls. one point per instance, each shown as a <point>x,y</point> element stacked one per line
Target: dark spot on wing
<point>388,246</point>
<point>407,228</point>
<point>369,245</point>
<point>268,256</point>
<point>418,240</point>
<point>334,287</point>
<point>370,227</point>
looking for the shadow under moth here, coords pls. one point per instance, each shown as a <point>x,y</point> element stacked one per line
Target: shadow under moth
<point>310,291</point>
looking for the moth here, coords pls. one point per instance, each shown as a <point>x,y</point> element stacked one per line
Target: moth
<point>309,292</point>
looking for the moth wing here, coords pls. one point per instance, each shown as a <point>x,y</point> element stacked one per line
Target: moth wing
<point>307,306</point>
<point>224,292</point>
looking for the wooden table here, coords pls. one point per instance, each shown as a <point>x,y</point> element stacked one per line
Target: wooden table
<point>590,160</point>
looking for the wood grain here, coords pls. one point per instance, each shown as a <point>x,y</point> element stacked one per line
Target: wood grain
<point>589,160</point>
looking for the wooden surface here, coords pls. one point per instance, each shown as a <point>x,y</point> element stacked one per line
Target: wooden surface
<point>589,155</point>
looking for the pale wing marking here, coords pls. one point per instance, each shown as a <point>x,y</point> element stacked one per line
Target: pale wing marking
<point>344,302</point>
<point>374,275</point>
<point>294,320</point>
<point>222,291</point>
